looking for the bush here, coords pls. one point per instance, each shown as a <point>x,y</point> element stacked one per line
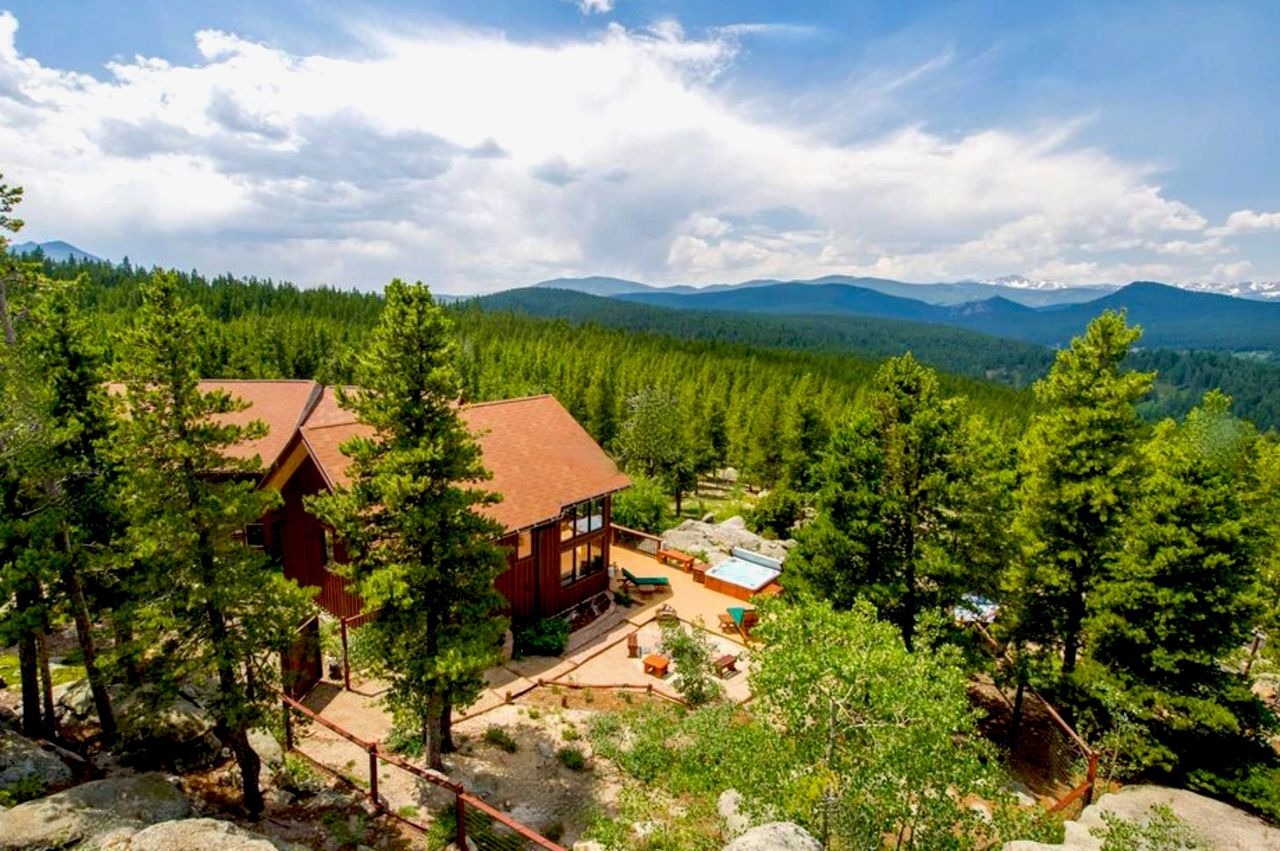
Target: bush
<point>692,654</point>
<point>642,506</point>
<point>1161,831</point>
<point>500,738</point>
<point>405,737</point>
<point>776,513</point>
<point>572,758</point>
<point>622,598</point>
<point>545,638</point>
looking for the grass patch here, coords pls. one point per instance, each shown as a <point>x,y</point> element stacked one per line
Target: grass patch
<point>500,738</point>
<point>61,675</point>
<point>572,758</point>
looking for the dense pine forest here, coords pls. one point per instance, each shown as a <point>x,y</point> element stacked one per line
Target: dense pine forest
<point>1131,558</point>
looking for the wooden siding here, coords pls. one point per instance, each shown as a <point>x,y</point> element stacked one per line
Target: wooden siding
<point>301,544</point>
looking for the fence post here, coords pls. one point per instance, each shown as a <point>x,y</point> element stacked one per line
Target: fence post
<point>288,725</point>
<point>373,775</point>
<point>1091,777</point>
<point>346,657</point>
<point>460,816</point>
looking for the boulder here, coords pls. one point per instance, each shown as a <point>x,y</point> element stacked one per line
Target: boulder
<point>716,539</point>
<point>1221,826</point>
<point>730,808</point>
<point>264,743</point>
<point>115,806</point>
<point>178,733</point>
<point>775,836</point>
<point>24,765</point>
<point>205,834</point>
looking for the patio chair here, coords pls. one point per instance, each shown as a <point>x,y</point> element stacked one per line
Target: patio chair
<point>739,619</point>
<point>644,584</point>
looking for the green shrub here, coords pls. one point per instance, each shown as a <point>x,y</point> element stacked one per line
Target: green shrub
<point>569,734</point>
<point>546,637</point>
<point>622,598</point>
<point>500,738</point>
<point>642,506</point>
<point>1160,831</point>
<point>691,651</point>
<point>776,513</point>
<point>572,758</point>
<point>25,788</point>
<point>404,739</point>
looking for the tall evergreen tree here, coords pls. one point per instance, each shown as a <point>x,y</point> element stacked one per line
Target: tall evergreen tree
<point>1080,468</point>
<point>1177,599</point>
<point>887,505</point>
<point>422,556</point>
<point>72,472</point>
<point>214,608</point>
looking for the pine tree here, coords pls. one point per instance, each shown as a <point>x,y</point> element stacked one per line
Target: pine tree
<point>1177,599</point>
<point>77,521</point>
<point>1079,466</point>
<point>213,607</point>
<point>422,556</point>
<point>887,505</point>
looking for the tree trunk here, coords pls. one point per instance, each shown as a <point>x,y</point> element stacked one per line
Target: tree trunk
<point>1071,632</point>
<point>1015,721</point>
<point>446,729</point>
<point>29,671</point>
<point>46,684</point>
<point>250,771</point>
<point>88,648</point>
<point>435,712</point>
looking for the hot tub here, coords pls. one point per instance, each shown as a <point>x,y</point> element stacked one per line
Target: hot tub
<point>741,578</point>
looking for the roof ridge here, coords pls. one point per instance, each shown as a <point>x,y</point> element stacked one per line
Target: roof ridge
<point>509,401</point>
<point>261,381</point>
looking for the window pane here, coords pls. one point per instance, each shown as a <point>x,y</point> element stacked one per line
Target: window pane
<point>566,526</point>
<point>566,566</point>
<point>596,515</point>
<point>524,544</point>
<point>328,547</point>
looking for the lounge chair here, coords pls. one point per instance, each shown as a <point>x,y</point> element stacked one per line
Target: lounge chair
<point>740,619</point>
<point>644,584</point>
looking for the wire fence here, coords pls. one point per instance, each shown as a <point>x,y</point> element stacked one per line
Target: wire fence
<point>401,790</point>
<point>1044,750</point>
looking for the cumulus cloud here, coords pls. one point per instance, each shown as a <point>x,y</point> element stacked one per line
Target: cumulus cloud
<point>1247,221</point>
<point>474,161</point>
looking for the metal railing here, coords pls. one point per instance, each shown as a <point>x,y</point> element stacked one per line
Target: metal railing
<point>473,819</point>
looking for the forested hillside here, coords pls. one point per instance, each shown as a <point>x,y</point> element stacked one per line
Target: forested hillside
<point>269,329</point>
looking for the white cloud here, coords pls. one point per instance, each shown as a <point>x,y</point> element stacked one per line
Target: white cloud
<point>1247,221</point>
<point>595,7</point>
<point>474,161</point>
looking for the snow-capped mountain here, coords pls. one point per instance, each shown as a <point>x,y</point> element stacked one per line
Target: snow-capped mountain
<point>1018,282</point>
<point>1258,290</point>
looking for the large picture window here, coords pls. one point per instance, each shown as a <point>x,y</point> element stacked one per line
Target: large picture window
<point>581,560</point>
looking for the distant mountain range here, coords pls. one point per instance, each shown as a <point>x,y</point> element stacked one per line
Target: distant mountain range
<point>1016,288</point>
<point>1171,317</point>
<point>54,249</point>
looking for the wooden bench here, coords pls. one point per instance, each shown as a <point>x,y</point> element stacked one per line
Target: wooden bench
<point>675,558</point>
<point>726,665</point>
<point>656,664</point>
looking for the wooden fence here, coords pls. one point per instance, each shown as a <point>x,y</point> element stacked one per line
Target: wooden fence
<point>474,820</point>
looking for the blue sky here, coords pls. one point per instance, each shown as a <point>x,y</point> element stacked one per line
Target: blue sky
<point>488,144</point>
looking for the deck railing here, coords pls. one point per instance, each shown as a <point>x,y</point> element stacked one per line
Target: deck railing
<point>634,539</point>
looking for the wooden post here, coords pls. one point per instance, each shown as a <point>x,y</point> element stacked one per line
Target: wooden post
<point>288,726</point>
<point>460,816</point>
<point>346,657</point>
<point>1092,777</point>
<point>373,775</point>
